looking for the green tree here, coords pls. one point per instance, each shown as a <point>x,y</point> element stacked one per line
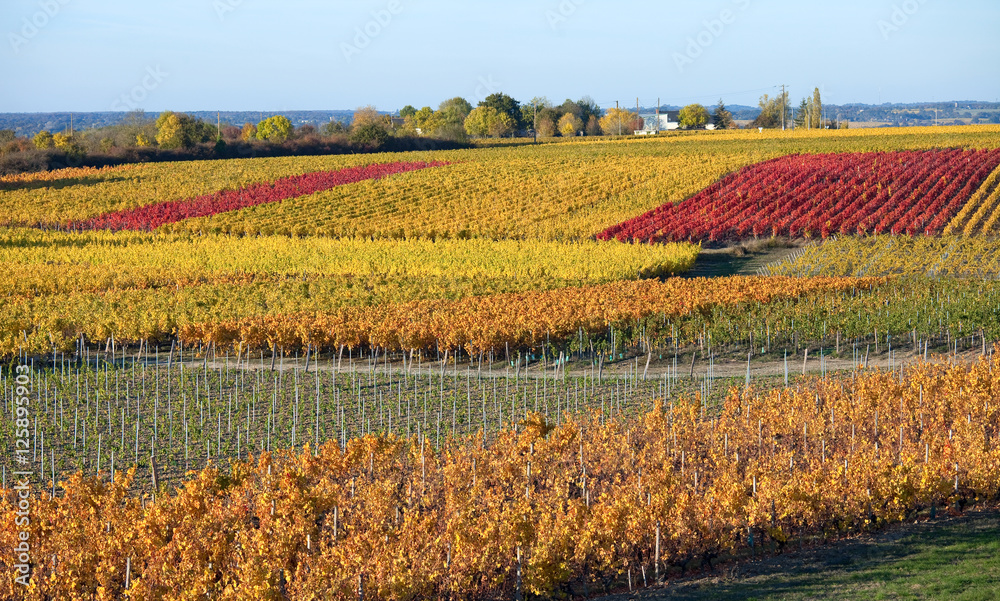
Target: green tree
<point>502,125</point>
<point>801,118</point>
<point>771,110</point>
<point>368,128</point>
<point>369,133</point>
<point>477,123</point>
<point>42,139</point>
<point>570,124</point>
<point>424,119</point>
<point>196,130</point>
<point>176,130</point>
<point>332,127</point>
<point>548,113</point>
<point>722,118</point>
<point>693,116</point>
<point>169,130</point>
<point>449,119</point>
<point>407,111</point>
<point>817,110</point>
<point>68,144</point>
<point>454,110</point>
<point>570,107</point>
<point>275,129</point>
<point>588,108</point>
<point>486,121</point>
<point>434,124</point>
<point>134,124</point>
<point>531,111</point>
<point>506,105</point>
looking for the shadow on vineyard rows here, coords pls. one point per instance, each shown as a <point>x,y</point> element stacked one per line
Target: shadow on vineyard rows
<point>748,258</point>
<point>953,555</point>
<point>101,412</point>
<point>206,409</point>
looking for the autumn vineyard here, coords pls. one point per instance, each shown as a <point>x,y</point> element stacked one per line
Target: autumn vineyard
<point>492,373</point>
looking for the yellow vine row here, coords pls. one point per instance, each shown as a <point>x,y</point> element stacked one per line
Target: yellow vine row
<point>980,207</point>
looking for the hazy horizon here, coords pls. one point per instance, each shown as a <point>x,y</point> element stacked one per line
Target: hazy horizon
<point>244,55</point>
<point>394,110</point>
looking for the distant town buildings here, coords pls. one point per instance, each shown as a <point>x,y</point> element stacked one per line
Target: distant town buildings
<point>668,120</point>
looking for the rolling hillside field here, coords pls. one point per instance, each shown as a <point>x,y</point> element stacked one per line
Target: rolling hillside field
<point>482,374</point>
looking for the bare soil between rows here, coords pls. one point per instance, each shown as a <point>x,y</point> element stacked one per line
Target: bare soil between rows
<point>767,365</point>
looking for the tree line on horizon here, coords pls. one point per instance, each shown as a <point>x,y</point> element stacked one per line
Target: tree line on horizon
<point>179,136</point>
<point>500,115</point>
<point>777,111</point>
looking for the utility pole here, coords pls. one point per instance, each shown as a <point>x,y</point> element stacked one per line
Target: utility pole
<point>782,107</point>
<point>657,115</point>
<point>71,125</point>
<point>218,125</point>
<point>619,111</point>
<point>637,110</point>
<point>534,119</point>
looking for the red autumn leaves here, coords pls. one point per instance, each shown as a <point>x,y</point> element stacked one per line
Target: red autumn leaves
<point>911,192</point>
<point>153,216</point>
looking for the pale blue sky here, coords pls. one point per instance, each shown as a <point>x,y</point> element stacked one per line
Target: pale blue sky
<point>95,55</point>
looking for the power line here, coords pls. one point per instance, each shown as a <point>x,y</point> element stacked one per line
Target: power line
<point>782,107</point>
<point>712,96</point>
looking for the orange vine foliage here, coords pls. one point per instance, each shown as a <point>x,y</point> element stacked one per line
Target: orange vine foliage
<point>518,320</point>
<point>581,501</point>
<point>58,286</point>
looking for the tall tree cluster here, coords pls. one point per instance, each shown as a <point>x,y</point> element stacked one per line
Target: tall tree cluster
<point>810,112</point>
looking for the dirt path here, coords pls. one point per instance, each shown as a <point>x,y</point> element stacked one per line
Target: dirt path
<point>745,259</point>
<point>770,365</point>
